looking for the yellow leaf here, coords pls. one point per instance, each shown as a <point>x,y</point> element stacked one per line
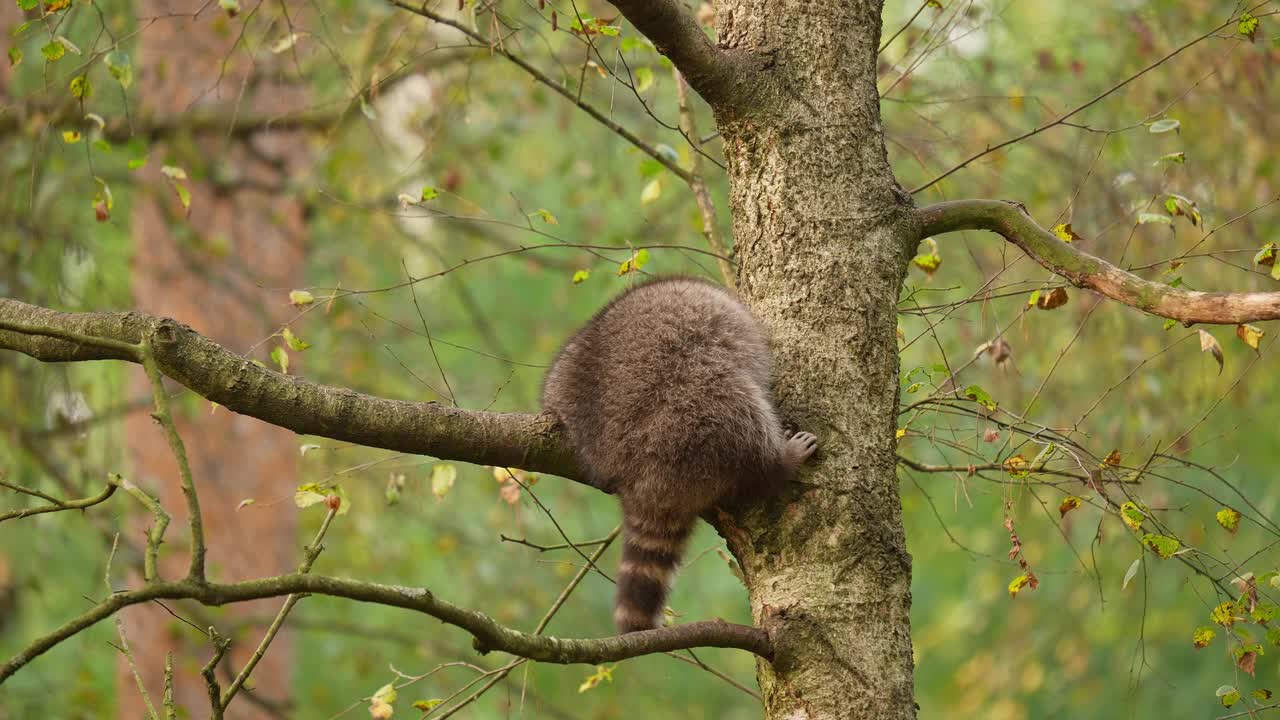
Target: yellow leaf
<point>651,192</point>
<point>1250,335</point>
<point>442,477</point>
<point>1017,584</point>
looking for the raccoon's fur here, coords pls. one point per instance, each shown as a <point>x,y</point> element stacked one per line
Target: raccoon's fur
<point>665,398</point>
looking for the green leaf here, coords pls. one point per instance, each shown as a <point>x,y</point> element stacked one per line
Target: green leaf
<point>1176,158</point>
<point>426,705</point>
<point>120,67</point>
<point>1147,217</point>
<point>1168,324</point>
<point>980,396</point>
<point>1035,297</point>
<point>15,56</point>
<point>1273,635</point>
<point>1164,126</point>
<point>1264,612</point>
<point>1261,694</point>
<point>299,298</point>
<point>80,87</point>
<point>309,494</point>
<point>1248,25</point>
<point>1229,519</point>
<point>294,342</point>
<point>386,693</point>
<point>442,477</point>
<point>644,79</point>
<point>1228,695</point>
<point>137,163</point>
<point>53,51</point>
<point>1162,545</point>
<point>1203,636</point>
<point>28,4</point>
<point>429,193</point>
<point>546,216</point>
<point>232,7</point>
<point>281,358</point>
<point>580,276</point>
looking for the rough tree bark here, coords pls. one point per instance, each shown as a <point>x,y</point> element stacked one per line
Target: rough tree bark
<point>823,236</point>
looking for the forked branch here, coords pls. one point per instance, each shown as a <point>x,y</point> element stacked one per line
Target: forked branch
<point>1086,271</point>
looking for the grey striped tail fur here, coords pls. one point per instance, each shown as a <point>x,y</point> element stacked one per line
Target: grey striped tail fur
<point>651,550</point>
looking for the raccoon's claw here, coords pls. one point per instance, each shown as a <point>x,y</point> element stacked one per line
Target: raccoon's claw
<point>801,446</point>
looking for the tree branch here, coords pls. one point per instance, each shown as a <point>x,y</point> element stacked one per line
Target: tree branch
<point>676,33</point>
<point>489,635</point>
<point>505,440</point>
<point>1086,271</point>
<point>422,10</point>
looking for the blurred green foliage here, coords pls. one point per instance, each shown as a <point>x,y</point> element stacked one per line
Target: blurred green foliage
<point>506,157</point>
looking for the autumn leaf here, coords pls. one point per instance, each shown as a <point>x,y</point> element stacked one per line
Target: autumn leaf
<point>1068,504</point>
<point>1016,465</point>
<point>1112,459</point>
<point>1224,614</point>
<point>1247,661</point>
<point>929,261</point>
<point>580,276</point>
<point>1250,335</point>
<point>1016,585</point>
<point>442,477</point>
<point>1132,515</point>
<point>1203,636</point>
<point>1065,233</point>
<point>1248,25</point>
<point>1056,298</point>
<point>1229,519</point>
<point>602,673</point>
<point>1162,545</point>
<point>1209,344</point>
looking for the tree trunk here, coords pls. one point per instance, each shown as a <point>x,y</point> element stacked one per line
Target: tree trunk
<point>211,270</point>
<point>824,236</point>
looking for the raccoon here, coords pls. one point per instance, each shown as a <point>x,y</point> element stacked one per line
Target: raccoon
<point>664,396</point>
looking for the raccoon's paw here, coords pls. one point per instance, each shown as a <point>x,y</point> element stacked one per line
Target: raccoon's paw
<point>800,447</point>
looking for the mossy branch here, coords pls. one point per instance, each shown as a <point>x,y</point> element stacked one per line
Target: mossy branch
<point>501,439</point>
<point>1086,271</point>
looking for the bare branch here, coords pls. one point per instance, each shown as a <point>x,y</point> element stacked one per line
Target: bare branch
<point>1086,271</point>
<point>710,71</point>
<point>231,380</point>
<point>107,492</point>
<point>488,634</point>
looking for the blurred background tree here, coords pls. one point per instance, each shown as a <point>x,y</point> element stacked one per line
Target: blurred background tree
<point>202,160</point>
